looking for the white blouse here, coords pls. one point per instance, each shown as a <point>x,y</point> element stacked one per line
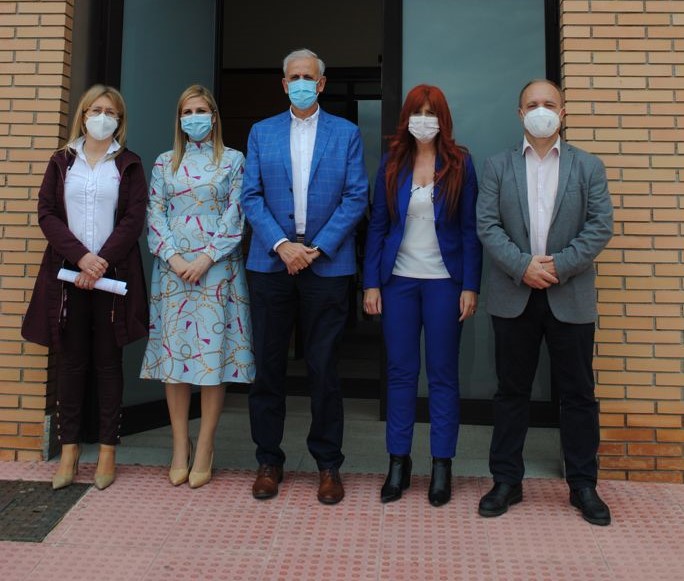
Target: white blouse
<point>91,196</point>
<point>419,255</point>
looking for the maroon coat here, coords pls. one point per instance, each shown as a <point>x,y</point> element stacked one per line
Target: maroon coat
<point>47,309</point>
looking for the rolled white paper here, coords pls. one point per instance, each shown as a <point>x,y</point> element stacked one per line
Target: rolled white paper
<point>109,285</point>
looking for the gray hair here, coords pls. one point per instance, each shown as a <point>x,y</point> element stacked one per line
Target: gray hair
<point>303,53</point>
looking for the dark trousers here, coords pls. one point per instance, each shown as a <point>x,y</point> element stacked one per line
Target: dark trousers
<point>410,305</point>
<point>571,347</point>
<point>88,341</point>
<point>322,304</point>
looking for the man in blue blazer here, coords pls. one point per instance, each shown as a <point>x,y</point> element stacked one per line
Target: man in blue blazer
<point>544,213</point>
<point>305,189</point>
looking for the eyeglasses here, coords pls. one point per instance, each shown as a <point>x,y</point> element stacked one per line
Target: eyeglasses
<point>95,111</point>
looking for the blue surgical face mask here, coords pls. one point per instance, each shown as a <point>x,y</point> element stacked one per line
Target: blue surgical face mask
<point>197,125</point>
<point>302,93</point>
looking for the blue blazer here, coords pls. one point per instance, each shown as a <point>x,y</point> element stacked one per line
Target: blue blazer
<point>457,236</point>
<point>337,196</point>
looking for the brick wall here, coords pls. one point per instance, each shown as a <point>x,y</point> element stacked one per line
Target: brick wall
<point>622,65</point>
<point>35,45</point>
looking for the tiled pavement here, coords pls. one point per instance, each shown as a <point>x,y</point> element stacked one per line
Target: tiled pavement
<point>141,528</point>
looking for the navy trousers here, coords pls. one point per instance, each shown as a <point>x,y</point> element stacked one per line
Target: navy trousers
<point>322,304</point>
<point>571,347</point>
<point>410,305</point>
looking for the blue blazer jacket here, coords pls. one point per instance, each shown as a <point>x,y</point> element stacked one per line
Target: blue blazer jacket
<point>457,235</point>
<point>337,194</point>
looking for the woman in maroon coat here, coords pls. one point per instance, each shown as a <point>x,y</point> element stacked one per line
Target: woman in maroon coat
<point>91,209</point>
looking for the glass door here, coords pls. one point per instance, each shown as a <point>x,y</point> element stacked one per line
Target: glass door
<point>480,54</point>
<point>163,52</point>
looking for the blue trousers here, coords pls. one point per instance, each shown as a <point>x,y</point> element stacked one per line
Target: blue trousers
<point>409,305</point>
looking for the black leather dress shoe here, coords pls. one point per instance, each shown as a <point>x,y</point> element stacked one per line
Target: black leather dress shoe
<point>398,478</point>
<point>594,510</point>
<point>499,498</point>
<point>439,492</point>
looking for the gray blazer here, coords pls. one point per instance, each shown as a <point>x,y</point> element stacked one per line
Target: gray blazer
<point>581,226</point>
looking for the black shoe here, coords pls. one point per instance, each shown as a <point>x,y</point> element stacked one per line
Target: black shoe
<point>398,478</point>
<point>594,510</point>
<point>499,498</point>
<point>440,482</point>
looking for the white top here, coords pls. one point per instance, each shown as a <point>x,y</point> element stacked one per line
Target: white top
<point>419,255</point>
<point>91,195</point>
<point>542,187</point>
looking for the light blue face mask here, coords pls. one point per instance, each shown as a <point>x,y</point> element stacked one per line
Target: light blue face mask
<point>197,125</point>
<point>302,93</point>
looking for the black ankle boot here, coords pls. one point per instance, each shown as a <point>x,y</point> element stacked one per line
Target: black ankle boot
<point>440,482</point>
<point>398,478</point>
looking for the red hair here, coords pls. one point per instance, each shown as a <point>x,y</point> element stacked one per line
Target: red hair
<point>402,149</point>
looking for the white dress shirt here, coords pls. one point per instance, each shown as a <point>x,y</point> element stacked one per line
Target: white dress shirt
<point>542,187</point>
<point>419,255</point>
<point>302,138</point>
<point>91,195</point>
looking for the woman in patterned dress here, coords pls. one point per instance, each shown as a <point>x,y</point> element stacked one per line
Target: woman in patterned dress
<point>200,330</point>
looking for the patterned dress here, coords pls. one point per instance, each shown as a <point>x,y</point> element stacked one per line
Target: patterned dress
<point>199,333</point>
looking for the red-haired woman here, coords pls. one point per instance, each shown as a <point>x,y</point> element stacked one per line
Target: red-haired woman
<point>422,271</point>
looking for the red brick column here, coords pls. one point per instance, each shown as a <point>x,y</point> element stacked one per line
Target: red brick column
<point>622,65</point>
<point>35,52</point>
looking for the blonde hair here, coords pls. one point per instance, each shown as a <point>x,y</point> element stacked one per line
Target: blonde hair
<point>180,138</point>
<point>78,127</point>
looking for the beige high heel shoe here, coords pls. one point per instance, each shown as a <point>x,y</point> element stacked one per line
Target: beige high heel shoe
<point>64,480</point>
<point>103,480</point>
<point>197,479</point>
<point>178,476</point>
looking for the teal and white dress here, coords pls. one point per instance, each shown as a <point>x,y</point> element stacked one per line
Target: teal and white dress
<point>199,333</point>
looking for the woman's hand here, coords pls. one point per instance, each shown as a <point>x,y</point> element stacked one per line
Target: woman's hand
<point>197,268</point>
<point>178,264</point>
<point>468,305</point>
<point>84,281</point>
<point>93,266</point>
<point>372,301</point>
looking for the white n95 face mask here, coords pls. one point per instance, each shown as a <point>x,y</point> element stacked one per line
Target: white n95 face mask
<point>101,126</point>
<point>541,122</point>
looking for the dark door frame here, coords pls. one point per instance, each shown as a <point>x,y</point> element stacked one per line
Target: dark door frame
<point>104,49</point>
<point>105,45</point>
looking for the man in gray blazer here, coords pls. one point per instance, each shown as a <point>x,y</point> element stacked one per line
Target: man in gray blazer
<point>544,214</point>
